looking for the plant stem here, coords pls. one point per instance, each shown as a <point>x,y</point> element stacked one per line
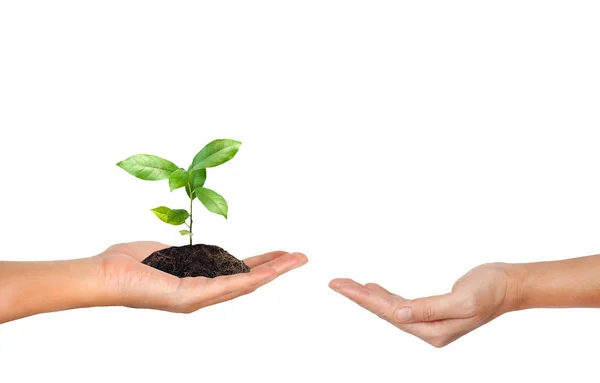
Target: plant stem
<point>191,220</point>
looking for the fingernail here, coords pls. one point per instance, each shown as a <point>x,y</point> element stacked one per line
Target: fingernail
<point>335,284</point>
<point>404,314</point>
<point>302,259</point>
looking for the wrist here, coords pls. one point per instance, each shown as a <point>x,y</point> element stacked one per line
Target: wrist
<point>85,283</point>
<point>515,280</point>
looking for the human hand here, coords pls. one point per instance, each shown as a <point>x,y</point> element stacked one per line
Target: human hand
<point>128,282</point>
<point>478,297</point>
<point>116,277</point>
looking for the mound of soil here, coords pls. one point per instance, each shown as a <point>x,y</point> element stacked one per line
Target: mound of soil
<point>196,261</point>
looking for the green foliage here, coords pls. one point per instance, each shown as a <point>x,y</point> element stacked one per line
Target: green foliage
<point>178,179</point>
<point>197,179</point>
<point>153,168</point>
<point>215,153</point>
<point>148,167</point>
<point>172,216</point>
<point>212,200</point>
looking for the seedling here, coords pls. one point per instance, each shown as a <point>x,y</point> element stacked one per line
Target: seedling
<point>152,168</point>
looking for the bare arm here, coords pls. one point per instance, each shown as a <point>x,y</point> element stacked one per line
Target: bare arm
<point>559,284</point>
<point>28,288</point>
<point>482,295</point>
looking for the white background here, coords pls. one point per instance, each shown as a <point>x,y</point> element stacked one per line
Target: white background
<point>396,142</point>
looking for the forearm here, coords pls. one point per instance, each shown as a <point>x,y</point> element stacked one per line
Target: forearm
<point>29,288</point>
<point>558,284</point>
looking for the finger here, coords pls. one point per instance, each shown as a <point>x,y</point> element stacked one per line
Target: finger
<point>261,259</point>
<point>447,306</point>
<point>279,268</point>
<point>377,288</point>
<point>376,300</point>
<point>228,297</point>
<point>379,304</point>
<point>260,275</point>
<point>385,305</point>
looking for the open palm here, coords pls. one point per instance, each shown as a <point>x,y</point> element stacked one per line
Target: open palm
<point>128,282</point>
<point>476,298</point>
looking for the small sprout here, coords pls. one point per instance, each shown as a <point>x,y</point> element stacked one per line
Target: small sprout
<point>152,168</point>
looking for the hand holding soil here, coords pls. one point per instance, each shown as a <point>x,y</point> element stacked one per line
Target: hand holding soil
<point>148,274</point>
<point>134,284</point>
<point>117,277</point>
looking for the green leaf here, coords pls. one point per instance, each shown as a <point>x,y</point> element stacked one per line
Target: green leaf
<point>215,153</point>
<point>178,179</point>
<point>197,179</point>
<point>171,216</point>
<point>212,201</point>
<point>148,167</point>
<point>185,232</point>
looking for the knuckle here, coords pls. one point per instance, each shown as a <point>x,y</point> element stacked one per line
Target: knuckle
<point>269,273</point>
<point>272,273</point>
<point>428,313</point>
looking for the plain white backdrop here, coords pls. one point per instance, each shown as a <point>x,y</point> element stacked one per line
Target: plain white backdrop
<point>393,142</point>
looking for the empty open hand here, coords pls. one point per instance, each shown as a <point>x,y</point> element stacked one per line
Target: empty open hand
<point>479,296</point>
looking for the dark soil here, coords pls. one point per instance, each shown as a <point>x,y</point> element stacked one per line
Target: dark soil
<point>196,261</point>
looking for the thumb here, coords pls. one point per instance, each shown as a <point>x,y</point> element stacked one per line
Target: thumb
<point>432,308</point>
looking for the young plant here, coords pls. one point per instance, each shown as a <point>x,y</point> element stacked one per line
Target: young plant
<point>152,168</point>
